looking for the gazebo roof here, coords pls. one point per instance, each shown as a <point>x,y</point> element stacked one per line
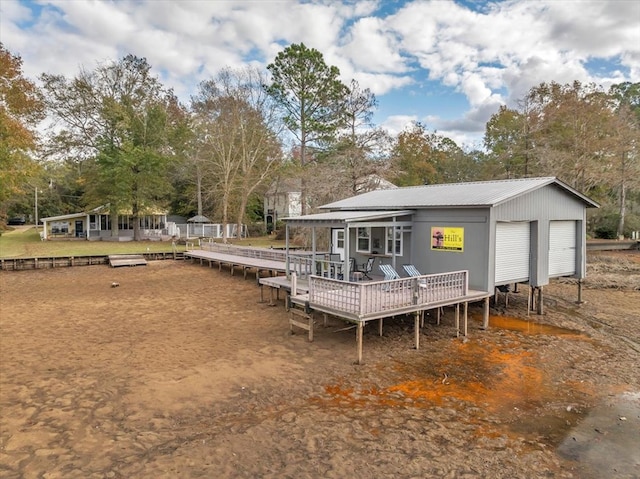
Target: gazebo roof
<point>199,219</point>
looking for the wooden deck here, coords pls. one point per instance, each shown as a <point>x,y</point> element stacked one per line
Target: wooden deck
<point>117,260</point>
<point>273,266</point>
<point>356,302</point>
<point>360,302</point>
<point>277,283</point>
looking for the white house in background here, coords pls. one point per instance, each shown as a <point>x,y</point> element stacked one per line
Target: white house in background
<point>283,198</point>
<point>96,224</point>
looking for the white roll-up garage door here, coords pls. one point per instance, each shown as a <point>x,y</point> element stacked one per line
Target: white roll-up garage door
<point>513,242</point>
<point>562,248</point>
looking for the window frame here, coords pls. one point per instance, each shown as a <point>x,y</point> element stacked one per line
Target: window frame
<point>365,236</point>
<point>394,241</point>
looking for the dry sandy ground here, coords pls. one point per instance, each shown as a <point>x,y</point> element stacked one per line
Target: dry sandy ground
<point>182,372</point>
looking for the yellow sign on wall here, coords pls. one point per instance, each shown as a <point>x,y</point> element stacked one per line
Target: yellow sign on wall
<point>444,238</point>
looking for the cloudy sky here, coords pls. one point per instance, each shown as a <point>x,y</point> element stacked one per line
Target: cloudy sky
<point>449,64</point>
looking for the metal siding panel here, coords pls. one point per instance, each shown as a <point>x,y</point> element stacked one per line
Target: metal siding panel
<point>546,203</point>
<point>475,257</point>
<point>513,242</point>
<point>562,248</point>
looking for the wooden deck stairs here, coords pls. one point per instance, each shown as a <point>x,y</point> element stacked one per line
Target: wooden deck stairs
<point>301,316</point>
<point>116,260</point>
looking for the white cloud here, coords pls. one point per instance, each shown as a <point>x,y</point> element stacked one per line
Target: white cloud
<point>394,124</point>
<point>380,84</point>
<point>96,20</point>
<point>370,49</point>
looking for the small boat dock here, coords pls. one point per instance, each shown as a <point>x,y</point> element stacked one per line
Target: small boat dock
<point>118,260</point>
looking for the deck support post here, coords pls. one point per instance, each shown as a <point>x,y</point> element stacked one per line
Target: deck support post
<point>485,314</point>
<point>540,301</point>
<point>380,321</point>
<point>438,316</point>
<point>457,320</point>
<point>294,284</point>
<point>580,281</point>
<point>359,334</point>
<point>466,312</point>
<point>271,301</point>
<point>416,328</point>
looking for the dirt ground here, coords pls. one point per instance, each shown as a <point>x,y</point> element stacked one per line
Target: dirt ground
<point>181,371</point>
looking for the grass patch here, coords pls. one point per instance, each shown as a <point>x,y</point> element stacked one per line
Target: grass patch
<point>25,243</point>
<point>259,241</point>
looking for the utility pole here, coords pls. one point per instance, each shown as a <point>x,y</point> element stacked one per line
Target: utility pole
<point>36,202</point>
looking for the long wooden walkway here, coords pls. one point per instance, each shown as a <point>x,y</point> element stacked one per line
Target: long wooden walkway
<point>273,266</point>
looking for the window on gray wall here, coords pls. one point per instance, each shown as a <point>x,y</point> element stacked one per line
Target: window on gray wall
<point>394,241</point>
<point>363,240</point>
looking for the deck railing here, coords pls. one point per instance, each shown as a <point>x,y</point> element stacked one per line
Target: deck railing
<point>360,300</point>
<point>305,265</point>
<point>245,251</point>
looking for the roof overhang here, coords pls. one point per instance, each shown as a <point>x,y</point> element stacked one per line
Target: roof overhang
<point>344,218</point>
<point>589,203</point>
<point>64,217</point>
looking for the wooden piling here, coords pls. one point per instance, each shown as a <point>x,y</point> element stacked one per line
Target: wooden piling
<point>359,334</point>
<point>457,320</point>
<point>466,311</point>
<point>540,301</point>
<point>485,314</point>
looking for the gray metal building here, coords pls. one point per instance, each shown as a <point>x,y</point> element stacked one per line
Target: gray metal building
<point>502,232</point>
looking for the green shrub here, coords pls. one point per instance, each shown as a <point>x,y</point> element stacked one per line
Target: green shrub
<point>606,232</point>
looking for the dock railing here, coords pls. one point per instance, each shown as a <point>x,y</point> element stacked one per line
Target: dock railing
<point>245,251</point>
<point>305,265</point>
<point>375,299</point>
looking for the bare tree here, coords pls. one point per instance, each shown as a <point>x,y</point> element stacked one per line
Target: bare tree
<point>239,138</point>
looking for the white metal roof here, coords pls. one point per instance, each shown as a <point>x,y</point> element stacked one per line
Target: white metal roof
<point>347,216</point>
<point>473,194</point>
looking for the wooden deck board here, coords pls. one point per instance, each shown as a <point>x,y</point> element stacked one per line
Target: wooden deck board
<point>117,260</point>
<point>472,296</point>
<point>282,282</point>
<point>235,260</point>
